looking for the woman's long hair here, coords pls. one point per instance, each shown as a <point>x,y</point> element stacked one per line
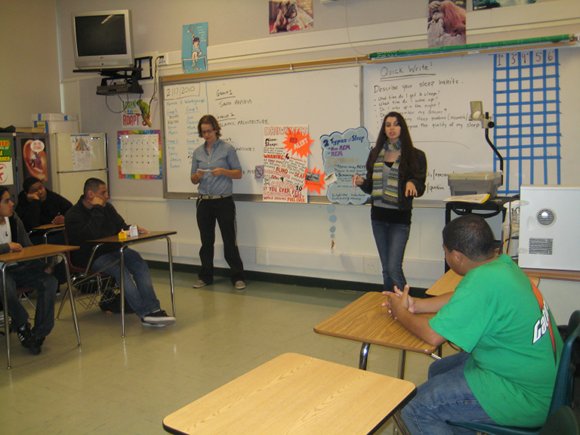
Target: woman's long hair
<point>407,161</point>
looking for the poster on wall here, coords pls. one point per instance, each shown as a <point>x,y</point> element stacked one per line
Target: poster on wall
<point>286,150</point>
<point>290,15</point>
<point>34,158</point>
<point>139,154</point>
<point>6,172</point>
<point>446,23</point>
<point>136,114</point>
<point>345,155</point>
<point>194,47</point>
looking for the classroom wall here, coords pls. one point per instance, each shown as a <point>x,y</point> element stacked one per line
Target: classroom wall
<point>282,238</point>
<point>29,73</point>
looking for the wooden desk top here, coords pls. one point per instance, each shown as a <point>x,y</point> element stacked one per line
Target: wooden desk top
<point>36,251</point>
<point>49,227</point>
<point>565,275</point>
<point>141,237</point>
<point>294,394</point>
<point>449,281</point>
<point>365,320</point>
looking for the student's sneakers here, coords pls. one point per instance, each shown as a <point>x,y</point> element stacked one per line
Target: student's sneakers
<point>158,318</point>
<point>240,285</point>
<point>199,283</point>
<point>28,340</point>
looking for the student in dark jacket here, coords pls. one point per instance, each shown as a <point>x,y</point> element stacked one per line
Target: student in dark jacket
<point>93,217</point>
<point>396,173</point>
<point>39,206</point>
<point>13,237</point>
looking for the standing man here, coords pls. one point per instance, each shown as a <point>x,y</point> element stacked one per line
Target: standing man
<point>512,347</point>
<point>93,217</point>
<point>214,165</point>
<point>13,237</point>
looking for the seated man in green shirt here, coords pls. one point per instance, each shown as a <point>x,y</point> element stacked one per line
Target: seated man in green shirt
<point>511,344</point>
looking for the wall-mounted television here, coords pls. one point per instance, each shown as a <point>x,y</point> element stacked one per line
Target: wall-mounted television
<point>102,40</point>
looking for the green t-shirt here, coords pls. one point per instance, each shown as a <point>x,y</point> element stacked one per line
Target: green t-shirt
<point>495,315</point>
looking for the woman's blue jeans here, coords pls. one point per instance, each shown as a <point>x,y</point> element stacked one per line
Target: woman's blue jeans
<point>391,240</point>
<point>445,396</point>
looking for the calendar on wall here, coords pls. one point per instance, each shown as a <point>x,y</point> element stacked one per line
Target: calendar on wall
<point>139,154</point>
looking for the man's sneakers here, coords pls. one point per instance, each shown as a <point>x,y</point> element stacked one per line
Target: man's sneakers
<point>199,283</point>
<point>240,285</point>
<point>158,318</point>
<point>28,340</point>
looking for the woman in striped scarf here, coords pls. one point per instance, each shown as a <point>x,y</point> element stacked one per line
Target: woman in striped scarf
<point>396,173</point>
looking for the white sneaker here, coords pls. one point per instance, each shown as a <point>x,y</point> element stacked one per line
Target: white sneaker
<point>158,318</point>
<point>240,285</point>
<point>199,283</point>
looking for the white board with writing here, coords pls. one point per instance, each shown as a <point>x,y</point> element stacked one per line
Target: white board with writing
<point>324,100</point>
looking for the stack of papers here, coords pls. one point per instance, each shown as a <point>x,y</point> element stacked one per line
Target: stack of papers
<point>479,198</point>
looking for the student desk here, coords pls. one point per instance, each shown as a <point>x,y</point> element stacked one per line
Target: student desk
<point>47,229</point>
<point>33,253</point>
<point>141,238</point>
<point>294,394</point>
<point>449,281</point>
<point>365,320</point>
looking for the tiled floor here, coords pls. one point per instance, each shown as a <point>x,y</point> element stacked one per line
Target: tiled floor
<point>115,386</point>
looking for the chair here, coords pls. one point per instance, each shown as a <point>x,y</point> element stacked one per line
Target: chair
<point>563,422</point>
<point>90,286</point>
<point>563,388</point>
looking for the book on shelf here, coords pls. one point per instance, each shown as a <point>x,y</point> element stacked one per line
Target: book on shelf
<point>478,198</point>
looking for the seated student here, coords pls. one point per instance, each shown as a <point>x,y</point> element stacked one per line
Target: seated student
<point>39,206</point>
<point>93,217</point>
<point>13,237</point>
<point>511,344</point>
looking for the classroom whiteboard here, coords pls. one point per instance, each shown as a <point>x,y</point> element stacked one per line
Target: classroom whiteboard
<point>324,100</point>
<point>532,95</point>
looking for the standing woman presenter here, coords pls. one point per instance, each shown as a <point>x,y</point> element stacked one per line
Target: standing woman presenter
<point>396,173</point>
<point>214,166</point>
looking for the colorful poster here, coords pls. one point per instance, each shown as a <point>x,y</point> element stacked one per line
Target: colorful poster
<point>286,150</point>
<point>194,47</point>
<point>290,15</point>
<point>139,154</point>
<point>34,158</point>
<point>6,172</point>
<point>446,23</point>
<point>345,155</point>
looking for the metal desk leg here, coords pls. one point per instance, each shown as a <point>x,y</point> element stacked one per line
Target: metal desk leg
<point>170,259</point>
<point>6,317</point>
<point>71,299</point>
<point>122,287</point>
<point>364,353</point>
<point>402,364</point>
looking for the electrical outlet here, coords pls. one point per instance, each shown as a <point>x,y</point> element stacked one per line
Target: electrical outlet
<point>162,59</point>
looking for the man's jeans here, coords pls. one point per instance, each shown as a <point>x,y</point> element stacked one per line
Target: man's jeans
<point>445,396</point>
<point>31,274</point>
<point>391,240</point>
<point>139,290</point>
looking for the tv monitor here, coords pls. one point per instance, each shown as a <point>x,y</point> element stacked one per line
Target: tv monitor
<point>102,40</point>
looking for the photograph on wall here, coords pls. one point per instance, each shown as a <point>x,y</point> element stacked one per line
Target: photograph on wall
<point>6,172</point>
<point>488,4</point>
<point>446,23</point>
<point>286,150</point>
<point>194,47</point>
<point>290,15</point>
<point>34,159</point>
